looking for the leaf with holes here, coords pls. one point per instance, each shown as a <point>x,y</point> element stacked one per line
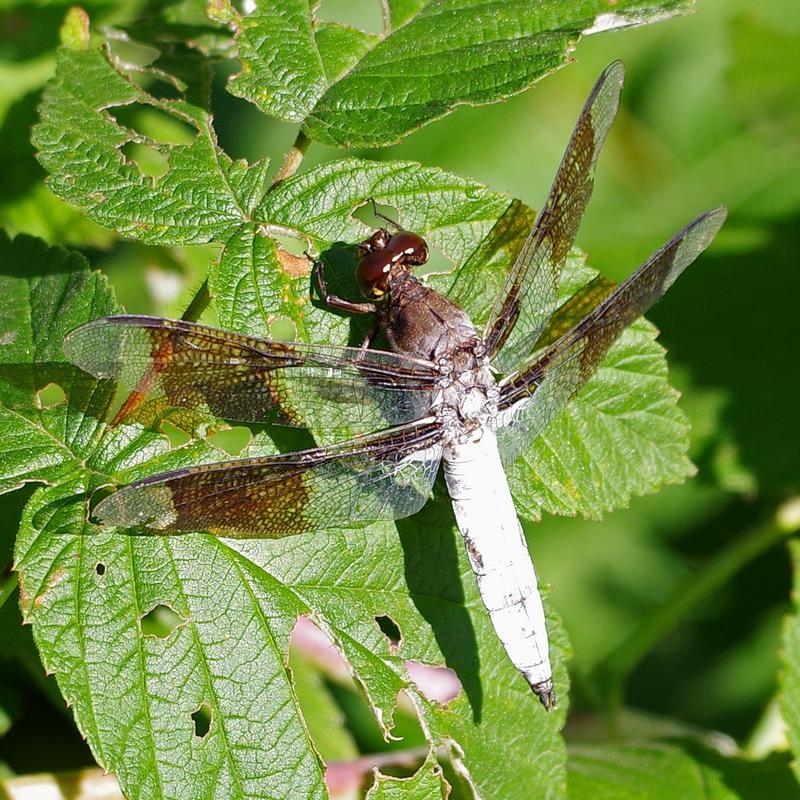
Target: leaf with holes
<point>425,784</point>
<point>432,56</point>
<point>208,686</point>
<point>172,651</point>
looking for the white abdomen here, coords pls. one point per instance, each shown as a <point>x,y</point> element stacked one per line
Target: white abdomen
<point>499,556</point>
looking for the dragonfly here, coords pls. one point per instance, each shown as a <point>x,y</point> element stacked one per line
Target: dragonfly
<point>443,394</point>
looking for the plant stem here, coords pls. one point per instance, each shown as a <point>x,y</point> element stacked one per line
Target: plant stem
<point>7,585</point>
<point>292,159</point>
<point>198,304</point>
<point>612,671</point>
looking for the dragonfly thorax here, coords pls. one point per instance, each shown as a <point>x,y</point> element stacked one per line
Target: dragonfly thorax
<point>468,399</point>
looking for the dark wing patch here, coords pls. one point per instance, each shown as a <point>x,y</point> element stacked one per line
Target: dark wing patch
<point>341,390</point>
<point>380,477</point>
<point>531,398</point>
<point>529,294</point>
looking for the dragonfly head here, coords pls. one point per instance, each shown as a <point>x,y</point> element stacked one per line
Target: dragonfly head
<point>383,255</point>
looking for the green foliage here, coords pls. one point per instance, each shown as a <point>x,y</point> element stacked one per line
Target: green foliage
<point>139,151</point>
<point>432,57</point>
<point>134,694</point>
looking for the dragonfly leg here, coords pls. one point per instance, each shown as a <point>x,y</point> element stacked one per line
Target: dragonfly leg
<point>334,301</point>
<point>383,216</point>
<point>371,334</point>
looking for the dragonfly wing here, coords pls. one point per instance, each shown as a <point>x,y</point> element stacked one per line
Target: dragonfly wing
<point>380,477</point>
<point>532,397</point>
<point>529,294</point>
<point>345,391</point>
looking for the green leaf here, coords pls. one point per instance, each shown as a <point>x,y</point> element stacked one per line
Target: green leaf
<point>624,435</point>
<point>203,194</point>
<point>283,68</point>
<point>38,441</point>
<point>433,57</point>
<point>427,783</point>
<point>675,771</point>
<point>322,715</point>
<point>136,696</point>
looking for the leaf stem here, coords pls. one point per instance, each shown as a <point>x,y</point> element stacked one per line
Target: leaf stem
<point>292,159</point>
<point>8,582</point>
<point>611,672</point>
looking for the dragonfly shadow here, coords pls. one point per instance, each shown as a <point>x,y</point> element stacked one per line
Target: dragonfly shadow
<point>21,385</point>
<point>433,577</point>
<point>339,262</point>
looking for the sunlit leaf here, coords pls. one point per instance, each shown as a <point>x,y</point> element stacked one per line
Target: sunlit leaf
<point>433,56</point>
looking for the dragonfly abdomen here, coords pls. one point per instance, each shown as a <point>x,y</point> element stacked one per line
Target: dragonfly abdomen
<point>499,556</point>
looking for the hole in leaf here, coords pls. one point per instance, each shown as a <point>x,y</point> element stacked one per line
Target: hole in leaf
<point>245,7</point>
<point>309,640</point>
<point>154,124</point>
<point>231,440</point>
<point>155,85</point>
<point>391,630</point>
<point>364,16</point>
<point>129,52</point>
<point>437,684</point>
<point>331,675</point>
<point>160,621</point>
<point>202,719</point>
<point>50,396</point>
<point>176,436</point>
<point>282,329</point>
<point>366,214</point>
<point>291,244</point>
<point>437,264</point>
<point>151,163</point>
<point>100,568</point>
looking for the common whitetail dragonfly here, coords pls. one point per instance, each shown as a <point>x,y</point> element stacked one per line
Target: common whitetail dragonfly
<point>444,394</point>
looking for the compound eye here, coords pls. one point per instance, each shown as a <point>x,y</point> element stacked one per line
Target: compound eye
<point>372,273</point>
<point>411,246</point>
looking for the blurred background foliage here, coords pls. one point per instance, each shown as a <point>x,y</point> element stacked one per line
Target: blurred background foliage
<point>710,115</point>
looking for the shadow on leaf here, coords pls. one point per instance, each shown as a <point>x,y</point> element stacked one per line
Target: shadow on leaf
<point>429,544</point>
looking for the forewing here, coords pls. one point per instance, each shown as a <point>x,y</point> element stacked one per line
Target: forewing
<point>343,391</point>
<point>531,398</point>
<point>529,294</point>
<point>380,477</point>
